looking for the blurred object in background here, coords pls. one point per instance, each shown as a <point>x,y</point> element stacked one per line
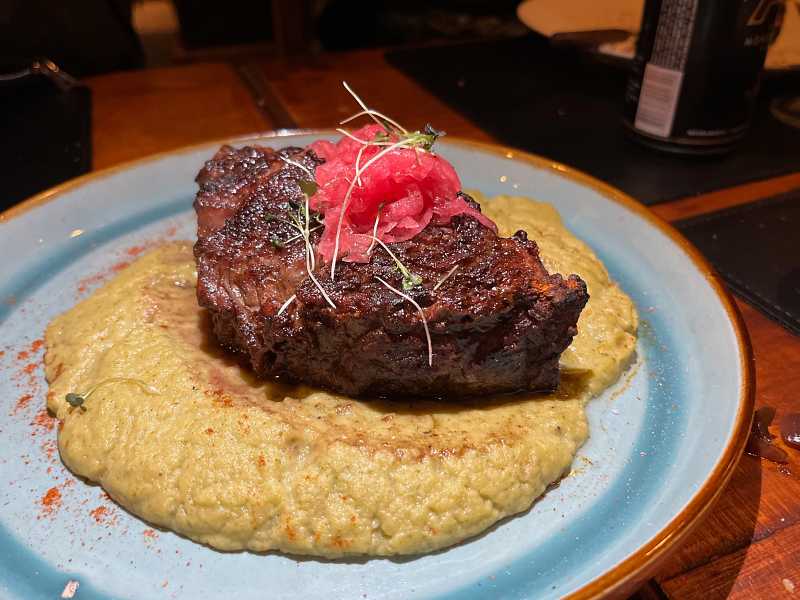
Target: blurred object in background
<point>206,23</point>
<point>345,25</point>
<point>787,110</point>
<point>83,38</point>
<point>182,31</point>
<point>99,36</point>
<point>784,53</point>
<point>293,26</point>
<point>553,17</point>
<point>45,117</point>
<point>695,77</point>
<point>156,23</point>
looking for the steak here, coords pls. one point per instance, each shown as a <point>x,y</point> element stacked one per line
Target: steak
<point>498,321</point>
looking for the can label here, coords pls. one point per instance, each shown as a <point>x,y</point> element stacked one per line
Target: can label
<point>696,72</point>
<point>663,73</point>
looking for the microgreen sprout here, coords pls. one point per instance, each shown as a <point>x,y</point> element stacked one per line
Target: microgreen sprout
<point>375,229</point>
<point>435,133</point>
<point>445,278</point>
<point>300,217</point>
<point>294,163</point>
<point>373,114</point>
<point>415,139</point>
<point>77,400</point>
<point>394,136</point>
<point>286,305</point>
<point>358,164</point>
<point>308,187</point>
<point>346,201</point>
<point>387,122</point>
<point>302,222</point>
<point>421,315</point>
<point>410,280</point>
<point>294,238</point>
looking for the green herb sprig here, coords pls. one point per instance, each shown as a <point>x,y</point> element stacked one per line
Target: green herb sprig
<point>424,139</point>
<point>301,217</point>
<point>78,400</point>
<point>421,316</point>
<point>410,280</point>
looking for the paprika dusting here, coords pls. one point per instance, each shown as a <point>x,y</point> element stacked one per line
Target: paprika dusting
<point>51,501</point>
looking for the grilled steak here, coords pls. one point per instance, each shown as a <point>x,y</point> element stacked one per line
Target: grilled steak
<point>498,323</point>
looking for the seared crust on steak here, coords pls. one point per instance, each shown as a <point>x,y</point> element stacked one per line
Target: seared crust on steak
<point>498,323</point>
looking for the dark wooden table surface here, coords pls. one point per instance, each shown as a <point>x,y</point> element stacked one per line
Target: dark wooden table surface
<point>748,545</point>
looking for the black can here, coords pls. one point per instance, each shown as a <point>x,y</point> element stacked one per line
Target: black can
<point>696,72</point>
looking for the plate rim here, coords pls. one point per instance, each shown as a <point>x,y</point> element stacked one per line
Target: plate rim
<point>644,561</point>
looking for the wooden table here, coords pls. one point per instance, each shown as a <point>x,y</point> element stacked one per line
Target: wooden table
<point>748,545</point>
<point>136,113</point>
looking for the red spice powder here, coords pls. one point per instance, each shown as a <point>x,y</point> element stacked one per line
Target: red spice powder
<point>209,431</point>
<point>101,277</point>
<point>29,369</point>
<point>50,448</point>
<point>43,422</point>
<point>150,533</point>
<point>51,501</point>
<point>85,283</point>
<point>23,402</point>
<point>23,355</point>
<point>2,353</point>
<point>99,514</point>
<point>135,250</point>
<point>218,396</point>
<point>36,345</point>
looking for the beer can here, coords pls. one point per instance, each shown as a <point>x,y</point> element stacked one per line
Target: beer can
<point>695,76</point>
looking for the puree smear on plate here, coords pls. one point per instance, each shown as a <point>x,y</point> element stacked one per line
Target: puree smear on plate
<point>229,460</point>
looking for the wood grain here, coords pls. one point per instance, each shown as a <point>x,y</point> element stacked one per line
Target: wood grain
<point>137,113</point>
<point>768,568</point>
<point>734,196</point>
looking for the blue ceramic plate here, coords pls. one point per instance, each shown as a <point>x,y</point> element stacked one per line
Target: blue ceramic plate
<point>661,447</point>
